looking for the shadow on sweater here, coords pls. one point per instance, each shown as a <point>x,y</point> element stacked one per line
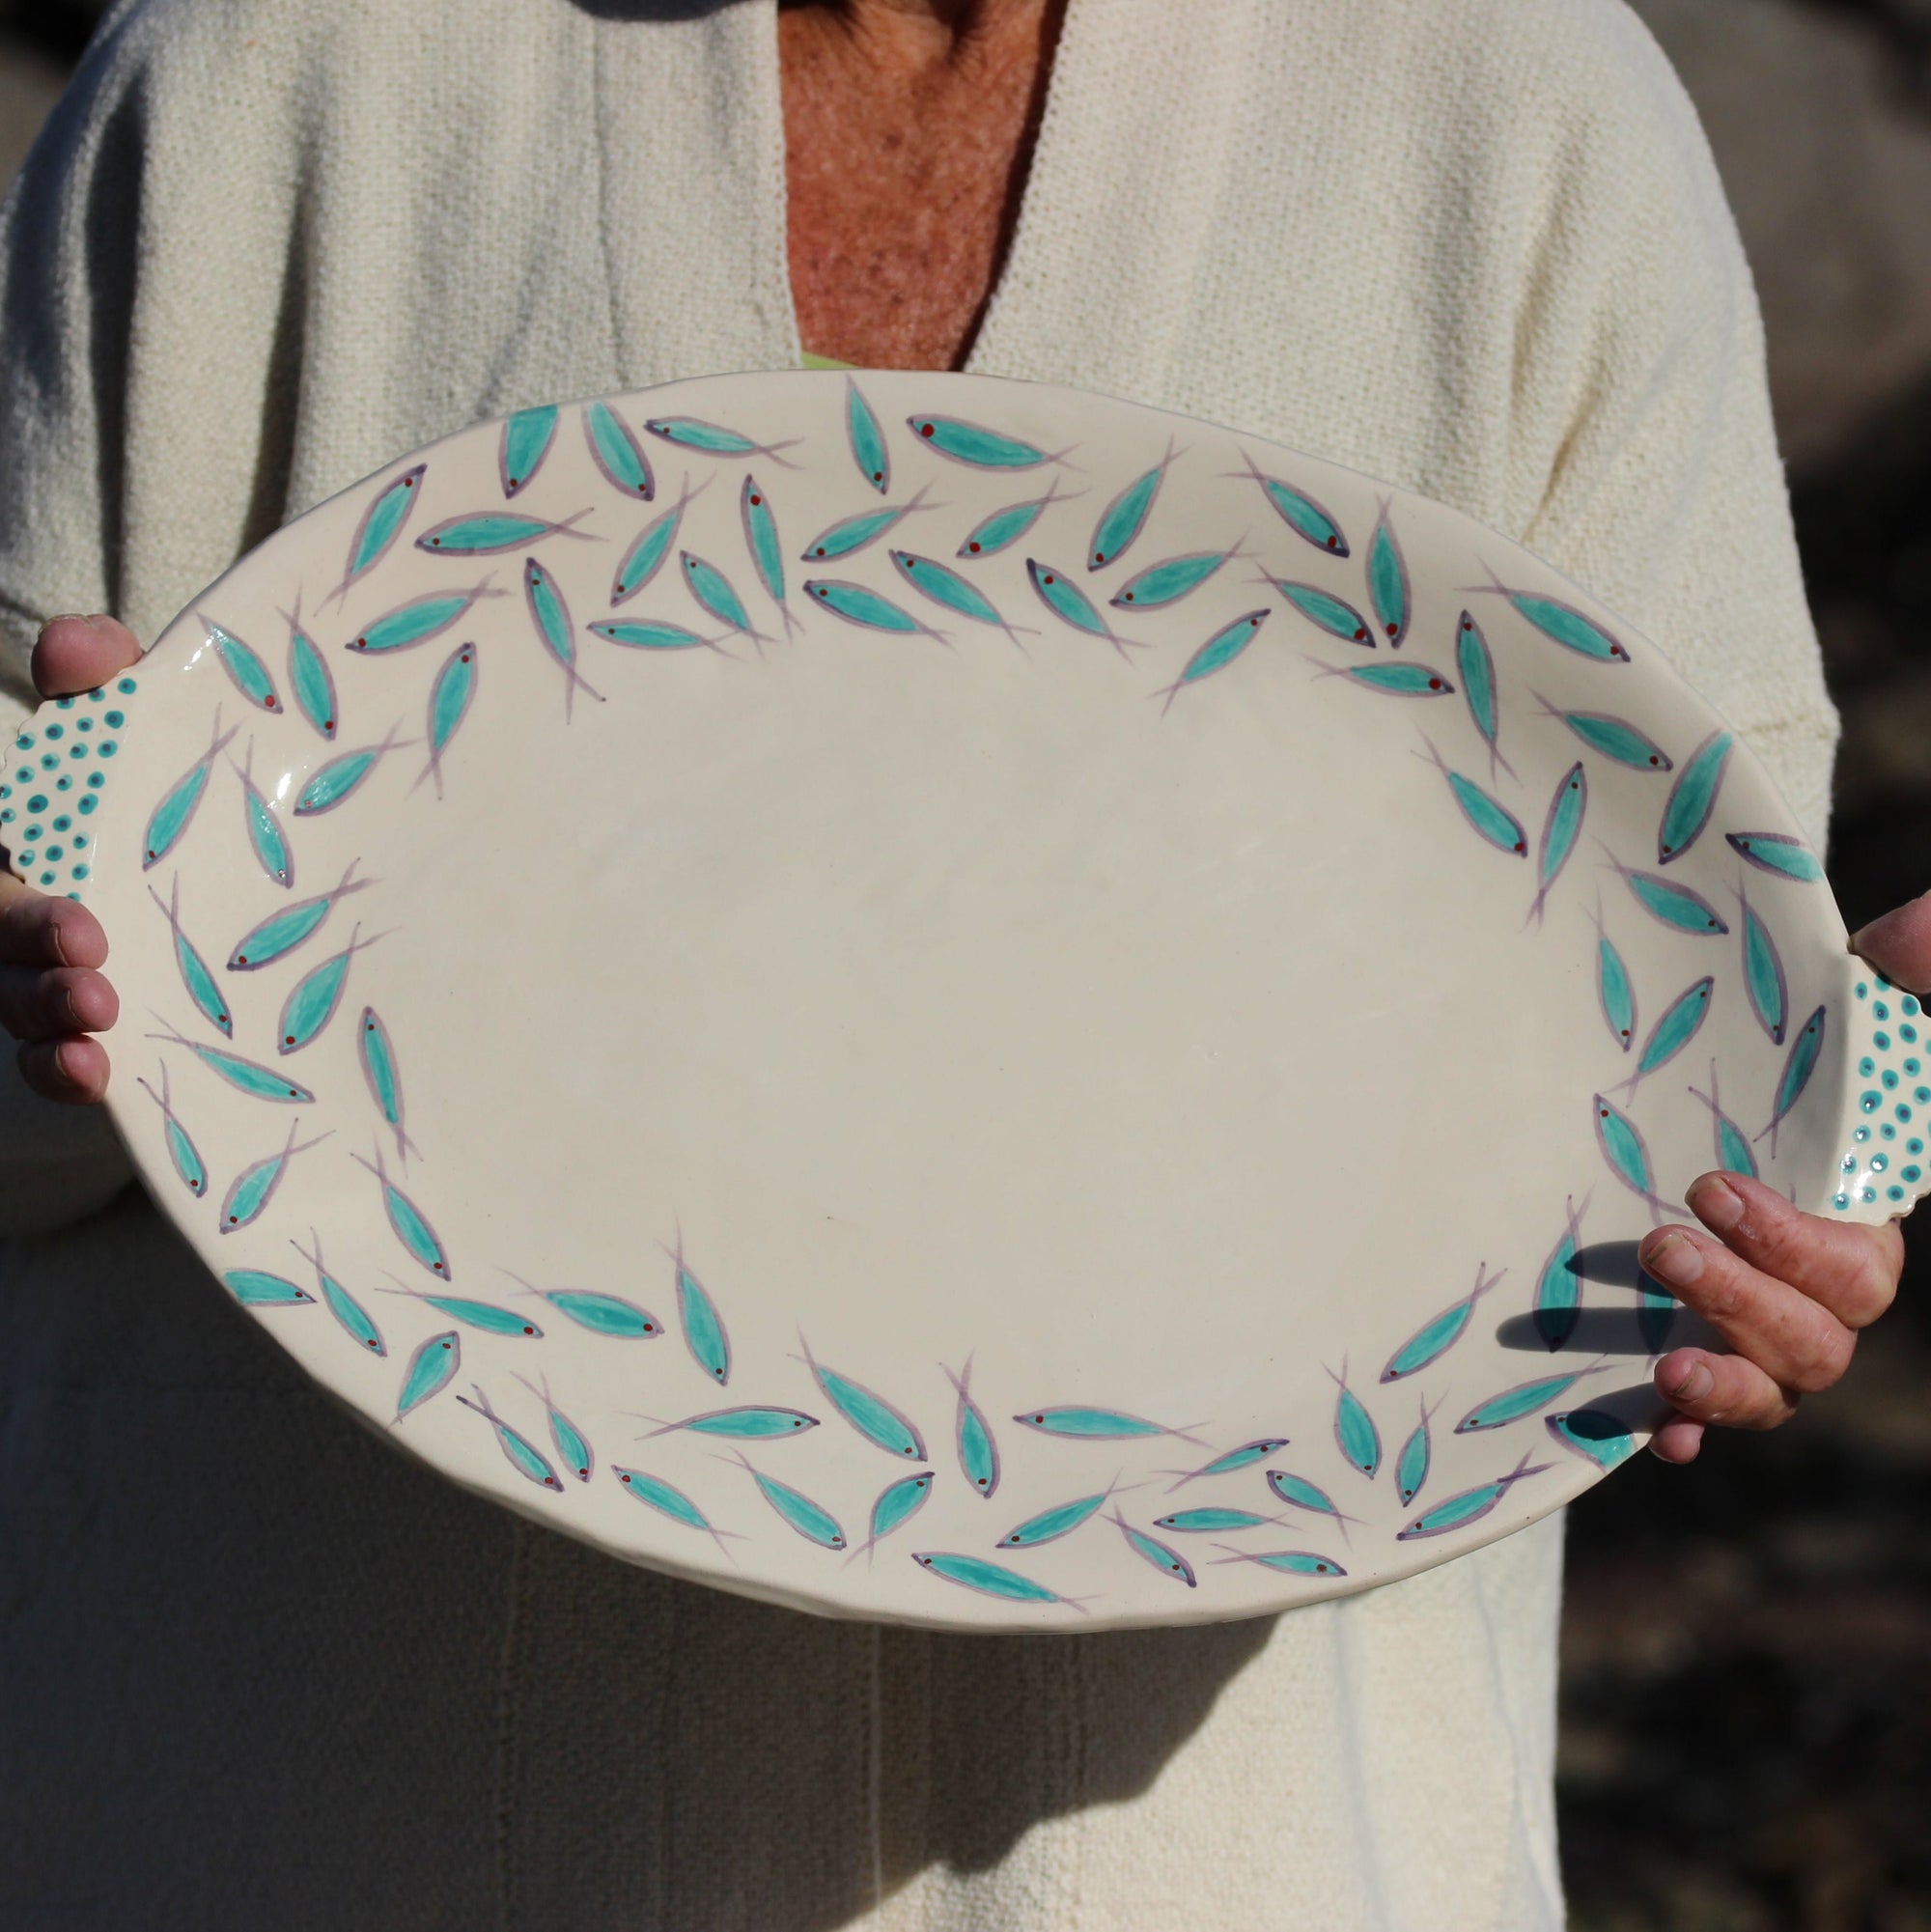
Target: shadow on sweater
<point>273,1673</point>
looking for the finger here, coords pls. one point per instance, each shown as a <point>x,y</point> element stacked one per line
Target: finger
<point>72,1071</point>
<point>51,1004</point>
<point>1850,1269</point>
<point>75,654</point>
<point>1723,1391</point>
<point>1898,944</point>
<point>38,928</point>
<point>1678,1441</point>
<point>1796,1341</point>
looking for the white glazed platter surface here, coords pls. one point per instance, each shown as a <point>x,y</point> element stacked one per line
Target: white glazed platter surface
<point>1025,1090</point>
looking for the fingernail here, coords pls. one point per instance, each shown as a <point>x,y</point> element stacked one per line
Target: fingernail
<point>1674,1259</point>
<point>70,1060</point>
<point>1714,1203</point>
<point>1691,1382</point>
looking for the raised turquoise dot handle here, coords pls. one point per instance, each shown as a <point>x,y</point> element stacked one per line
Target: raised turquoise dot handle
<point>1882,1168</point>
<point>56,776</point>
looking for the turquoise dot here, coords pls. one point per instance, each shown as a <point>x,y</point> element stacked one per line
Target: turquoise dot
<point>76,752</point>
<point>5,791</point>
<point>1879,1010</point>
<point>7,815</point>
<point>1840,1200</point>
<point>1888,1078</point>
<point>54,851</point>
<point>1867,1066</point>
<point>64,783</point>
<point>1878,1163</point>
<point>37,802</point>
<point>83,724</point>
<point>1860,1134</point>
<point>1882,1042</point>
<point>48,760</point>
<point>62,822</point>
<point>73,895</point>
<point>80,872</point>
<point>95,696</point>
<point>31,834</point>
<point>1849,1163</point>
<point>63,704</point>
<point>1921,1095</point>
<point>80,841</point>
<point>1912,1068</point>
<point>1870,1194</point>
<point>46,879</point>
<point>1912,1174</point>
<point>25,774</point>
<point>1907,1033</point>
<point>97,778</point>
<point>1902,1111</point>
<point>1888,1132</point>
<point>26,739</point>
<point>1863,990</point>
<point>1870,1102</point>
<point>56,731</point>
<point>107,747</point>
<point>89,804</point>
<point>125,685</point>
<point>1913,1146</point>
<point>114,719</point>
<point>1896,1193</point>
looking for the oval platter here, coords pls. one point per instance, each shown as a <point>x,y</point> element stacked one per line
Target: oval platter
<point>953,1001</point>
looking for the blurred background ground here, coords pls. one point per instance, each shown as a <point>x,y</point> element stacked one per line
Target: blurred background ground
<point>1746,1654</point>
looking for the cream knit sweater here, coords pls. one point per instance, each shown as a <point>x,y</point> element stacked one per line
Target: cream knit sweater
<point>255,1668</point>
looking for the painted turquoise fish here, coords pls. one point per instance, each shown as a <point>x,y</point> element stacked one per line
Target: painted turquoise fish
<point>704,1332</point>
<point>1214,655</point>
<point>668,1500</point>
<point>1071,605</point>
<point>655,635</point>
<point>181,1150</point>
<point>1525,1398</point>
<point>1173,579</point>
<point>419,620</point>
<point>1299,511</point>
<point>1099,1425</point>
<point>1616,991</point>
<point>1289,1563</point>
<point>1417,1453</point>
<point>857,604</point>
<point>761,539</point>
<point>1387,579</point>
<point>1798,1068</point>
<point>265,836</point>
<point>175,812</point>
<point>246,1076</point>
<point>1764,980</point>
<point>1401,681</point>
<point>487,1316</point>
<point>980,448</point>
<point>645,557</point>
<point>1354,1433</point>
<point>989,1580</point>
<point>550,615</point>
<point>1777,853</point>
<point>811,1519</point>
<point>1675,1027</point>
<point>573,1448</point>
<point>852,534</point>
<point>256,1288</point>
<point>1670,904</point>
<point>519,1451</point>
<point>339,1301</point>
<point>1655,1311</point>
<point>1475,665</point>
<point>1593,1433</point>
<point>713,593</point>
<point>1561,825</point>
<point>973,1438</point>
<point>862,431</point>
<point>449,700</point>
<point>1615,737</point>
<point>1561,623</point>
<point>380,524</point>
<point>251,1191</point>
<point>244,664</point>
<point>1298,1493</point>
<point>378,1055</point>
<point>281,933</point>
<point>1123,520</point>
<point>314,997</point>
<point>897,1503</point>
<point>525,441</point>
<point>1487,814</point>
<point>606,1315</point>
<point>1470,1506</point>
<point>951,591</point>
<point>1626,1152</point>
<point>338,780</point>
<point>1242,1458</point>
<point>1004,527</point>
<point>1440,1333</point>
<point>616,453</point>
<point>1201,1522</point>
<point>686,433</point>
<point>751,1423</point>
<point>488,533</point>
<point>1062,1518</point>
<point>430,1371</point>
<point>1334,615</point>
<point>1558,1289</point>
<point>1694,797</point>
<point>203,987</point>
<point>310,678</point>
<point>410,1224</point>
<point>1734,1153</point>
<point>874,1418</point>
<point>1151,1549</point>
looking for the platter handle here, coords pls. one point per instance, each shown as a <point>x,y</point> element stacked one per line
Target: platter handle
<point>56,777</point>
<point>1884,1139</point>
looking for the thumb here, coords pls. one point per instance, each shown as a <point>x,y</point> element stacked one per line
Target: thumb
<point>1898,944</point>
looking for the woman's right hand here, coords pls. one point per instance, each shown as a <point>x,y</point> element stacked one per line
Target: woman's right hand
<point>52,992</point>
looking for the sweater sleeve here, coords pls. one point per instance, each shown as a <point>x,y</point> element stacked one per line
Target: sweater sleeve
<point>1644,461</point>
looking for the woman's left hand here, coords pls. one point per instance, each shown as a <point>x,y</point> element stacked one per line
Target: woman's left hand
<point>1786,1290</point>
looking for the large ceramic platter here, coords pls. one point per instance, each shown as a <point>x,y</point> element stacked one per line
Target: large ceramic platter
<point>953,1001</point>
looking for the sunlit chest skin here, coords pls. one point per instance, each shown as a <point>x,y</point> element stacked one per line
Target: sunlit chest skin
<point>908,130</point>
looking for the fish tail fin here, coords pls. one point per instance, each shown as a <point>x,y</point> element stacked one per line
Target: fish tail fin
<point>404,1146</point>
<point>771,450</point>
<point>1186,1436</point>
<point>793,623</point>
<point>1061,458</point>
<point>568,527</point>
